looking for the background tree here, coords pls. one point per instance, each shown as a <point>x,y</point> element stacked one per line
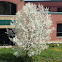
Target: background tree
<point>32,30</point>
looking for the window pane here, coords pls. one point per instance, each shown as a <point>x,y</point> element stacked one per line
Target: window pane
<point>13,9</point>
<point>7,8</point>
<point>59,34</point>
<point>59,29</point>
<point>59,10</point>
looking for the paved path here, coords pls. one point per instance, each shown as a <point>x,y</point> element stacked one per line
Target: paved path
<point>6,46</point>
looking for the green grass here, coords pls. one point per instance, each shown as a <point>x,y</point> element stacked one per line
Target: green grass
<point>52,54</point>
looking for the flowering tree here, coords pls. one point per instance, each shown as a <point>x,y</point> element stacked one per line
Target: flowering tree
<point>32,30</point>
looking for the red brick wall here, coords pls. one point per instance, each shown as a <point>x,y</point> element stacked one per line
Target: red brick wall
<point>56,18</point>
<point>53,5</point>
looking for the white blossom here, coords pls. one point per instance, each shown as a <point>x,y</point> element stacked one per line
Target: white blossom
<point>32,29</point>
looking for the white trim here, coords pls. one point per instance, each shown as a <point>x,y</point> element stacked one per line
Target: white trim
<point>6,26</point>
<point>59,37</point>
<point>7,15</point>
<point>53,42</point>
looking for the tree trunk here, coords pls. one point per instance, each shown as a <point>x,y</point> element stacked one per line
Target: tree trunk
<point>26,56</point>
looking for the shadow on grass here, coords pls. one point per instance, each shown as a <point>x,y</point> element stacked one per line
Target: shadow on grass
<point>9,57</point>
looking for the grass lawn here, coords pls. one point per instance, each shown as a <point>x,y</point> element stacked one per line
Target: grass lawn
<point>52,54</point>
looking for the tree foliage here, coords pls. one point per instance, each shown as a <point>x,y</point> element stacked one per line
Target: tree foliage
<point>32,29</point>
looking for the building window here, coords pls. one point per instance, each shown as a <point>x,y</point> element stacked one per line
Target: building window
<point>7,8</point>
<point>59,10</point>
<point>59,30</point>
<point>4,40</point>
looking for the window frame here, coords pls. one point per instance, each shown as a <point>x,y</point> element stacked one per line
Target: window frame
<point>58,33</point>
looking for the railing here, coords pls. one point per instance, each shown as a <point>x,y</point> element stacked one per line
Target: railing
<point>20,0</point>
<point>54,12</point>
<point>15,15</point>
<point>5,22</point>
<point>59,32</point>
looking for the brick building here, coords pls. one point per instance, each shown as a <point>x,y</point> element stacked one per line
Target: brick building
<point>8,9</point>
